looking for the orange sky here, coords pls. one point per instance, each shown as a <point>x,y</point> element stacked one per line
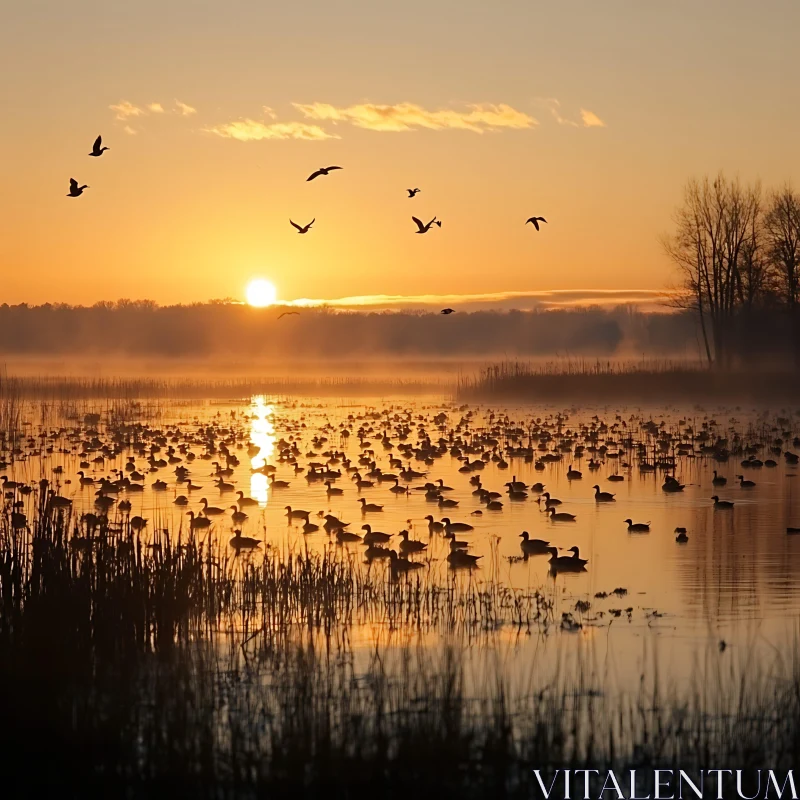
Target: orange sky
<point>590,114</point>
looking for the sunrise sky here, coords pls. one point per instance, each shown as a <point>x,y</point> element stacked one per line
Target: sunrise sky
<point>592,114</point>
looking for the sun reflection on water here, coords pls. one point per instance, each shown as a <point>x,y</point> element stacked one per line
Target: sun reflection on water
<point>262,435</point>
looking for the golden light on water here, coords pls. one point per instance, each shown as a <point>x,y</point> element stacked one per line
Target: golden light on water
<point>262,435</point>
<point>261,293</point>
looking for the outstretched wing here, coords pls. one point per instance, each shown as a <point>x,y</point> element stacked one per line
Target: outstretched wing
<point>535,223</point>
<point>294,224</point>
<point>330,168</point>
<point>419,223</point>
<point>97,143</point>
<point>314,175</point>
<point>73,184</point>
<point>311,223</point>
<point>542,219</point>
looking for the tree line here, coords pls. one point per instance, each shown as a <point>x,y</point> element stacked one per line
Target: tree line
<point>737,248</point>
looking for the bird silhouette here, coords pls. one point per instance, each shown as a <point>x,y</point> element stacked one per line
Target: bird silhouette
<point>304,228</point>
<point>320,171</point>
<point>448,311</point>
<point>424,228</point>
<point>412,192</point>
<point>74,189</point>
<point>289,313</point>
<point>97,150</point>
<point>536,221</point>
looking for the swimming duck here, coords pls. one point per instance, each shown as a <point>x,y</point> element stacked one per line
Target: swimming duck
<point>602,497</point>
<point>573,563</point>
<point>533,547</point>
<point>560,516</point>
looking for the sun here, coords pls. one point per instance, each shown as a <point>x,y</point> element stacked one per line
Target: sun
<point>261,292</point>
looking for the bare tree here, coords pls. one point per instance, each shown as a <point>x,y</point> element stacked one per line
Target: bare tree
<point>782,239</point>
<point>716,247</point>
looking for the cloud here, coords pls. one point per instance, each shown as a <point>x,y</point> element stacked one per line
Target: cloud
<point>184,110</point>
<point>155,108</point>
<point>410,116</point>
<point>555,109</point>
<point>591,120</point>
<point>124,110</point>
<point>130,131</point>
<point>250,130</point>
<point>644,299</point>
<point>588,118</point>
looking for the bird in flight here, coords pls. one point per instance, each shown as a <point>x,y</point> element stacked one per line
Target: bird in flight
<point>320,171</point>
<point>288,314</point>
<point>536,221</point>
<point>412,192</point>
<point>448,311</point>
<point>97,150</point>
<point>74,189</point>
<point>425,228</point>
<point>304,228</point>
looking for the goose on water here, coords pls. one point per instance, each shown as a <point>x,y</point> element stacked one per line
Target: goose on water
<point>602,497</point>
<point>572,563</point>
<point>533,547</point>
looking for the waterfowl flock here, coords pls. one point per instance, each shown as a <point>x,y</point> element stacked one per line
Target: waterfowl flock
<point>98,149</point>
<point>425,470</point>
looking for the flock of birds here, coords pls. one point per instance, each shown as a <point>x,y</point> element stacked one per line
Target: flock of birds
<point>76,190</point>
<point>119,461</point>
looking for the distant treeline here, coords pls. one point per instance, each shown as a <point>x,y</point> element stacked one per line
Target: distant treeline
<point>231,330</point>
<point>145,329</point>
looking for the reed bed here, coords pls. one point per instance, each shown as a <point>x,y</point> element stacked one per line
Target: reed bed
<point>142,669</point>
<point>631,382</point>
<point>66,389</point>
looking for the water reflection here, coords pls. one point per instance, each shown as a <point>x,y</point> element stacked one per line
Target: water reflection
<point>262,435</point>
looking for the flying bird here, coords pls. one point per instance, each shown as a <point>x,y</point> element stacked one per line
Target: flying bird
<point>412,192</point>
<point>448,311</point>
<point>320,171</point>
<point>425,228</point>
<point>97,150</point>
<point>304,228</point>
<point>289,313</point>
<point>536,221</point>
<point>74,189</point>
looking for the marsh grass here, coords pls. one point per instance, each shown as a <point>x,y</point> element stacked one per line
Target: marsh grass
<point>172,667</point>
<point>111,390</point>
<point>579,380</point>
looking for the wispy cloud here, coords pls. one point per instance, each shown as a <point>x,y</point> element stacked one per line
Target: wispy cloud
<point>124,110</point>
<point>591,120</point>
<point>183,109</point>
<point>646,299</point>
<point>250,130</point>
<point>555,109</point>
<point>588,118</point>
<point>478,117</point>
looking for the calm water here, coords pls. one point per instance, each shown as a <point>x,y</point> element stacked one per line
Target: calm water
<point>734,580</point>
